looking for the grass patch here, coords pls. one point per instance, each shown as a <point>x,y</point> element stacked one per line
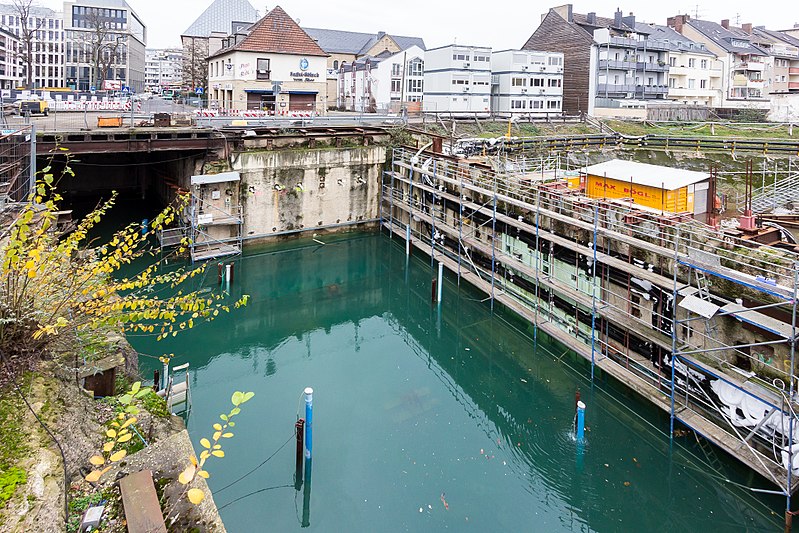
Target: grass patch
<point>700,129</point>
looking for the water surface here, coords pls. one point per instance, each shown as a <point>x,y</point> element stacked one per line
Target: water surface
<point>417,405</point>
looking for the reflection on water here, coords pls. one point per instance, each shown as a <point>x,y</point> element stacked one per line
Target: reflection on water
<point>426,417</point>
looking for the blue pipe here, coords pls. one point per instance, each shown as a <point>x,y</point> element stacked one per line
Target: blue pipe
<point>580,433</point>
<point>308,422</point>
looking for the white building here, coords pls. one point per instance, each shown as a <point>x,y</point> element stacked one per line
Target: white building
<point>262,69</point>
<point>47,66</point>
<point>457,79</point>
<point>386,83</point>
<point>124,38</point>
<point>11,69</point>
<point>526,81</point>
<point>163,68</point>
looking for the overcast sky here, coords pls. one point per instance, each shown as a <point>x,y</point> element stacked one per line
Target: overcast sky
<point>500,24</point>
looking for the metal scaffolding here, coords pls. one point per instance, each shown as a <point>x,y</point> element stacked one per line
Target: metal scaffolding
<point>689,317</point>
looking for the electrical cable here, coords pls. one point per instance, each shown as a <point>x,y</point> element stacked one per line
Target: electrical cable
<point>253,493</point>
<point>58,444</point>
<point>293,435</point>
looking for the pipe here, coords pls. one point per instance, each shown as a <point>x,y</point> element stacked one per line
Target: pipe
<point>408,238</point>
<point>580,432</point>
<point>308,422</point>
<point>227,276</point>
<point>440,284</point>
<point>299,430</point>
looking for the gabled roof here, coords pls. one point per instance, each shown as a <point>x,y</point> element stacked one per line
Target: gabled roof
<point>220,16</point>
<point>277,33</point>
<point>355,43</point>
<point>724,37</point>
<point>677,41</point>
<point>778,36</point>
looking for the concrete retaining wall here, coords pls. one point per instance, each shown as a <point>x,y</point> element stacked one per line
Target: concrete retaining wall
<point>296,189</point>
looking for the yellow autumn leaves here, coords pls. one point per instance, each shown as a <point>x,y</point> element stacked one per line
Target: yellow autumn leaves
<point>212,447</point>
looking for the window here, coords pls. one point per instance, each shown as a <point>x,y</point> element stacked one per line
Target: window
<point>703,63</point>
<point>416,67</point>
<point>518,82</point>
<point>263,69</point>
<point>553,104</point>
<point>537,104</point>
<point>518,104</point>
<point>553,82</point>
<point>672,83</point>
<point>415,86</point>
<point>555,61</point>
<point>335,64</point>
<point>396,86</point>
<point>703,84</point>
<point>691,84</point>
<point>672,61</point>
<point>537,82</point>
<point>649,81</point>
<point>692,63</point>
<point>395,69</point>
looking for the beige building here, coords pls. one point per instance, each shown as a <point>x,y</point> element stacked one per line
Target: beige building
<point>345,47</point>
<point>744,82</point>
<point>273,66</point>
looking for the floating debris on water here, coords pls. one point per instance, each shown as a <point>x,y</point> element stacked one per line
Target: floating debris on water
<point>444,500</point>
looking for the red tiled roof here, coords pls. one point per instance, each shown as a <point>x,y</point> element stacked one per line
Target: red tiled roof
<point>277,33</point>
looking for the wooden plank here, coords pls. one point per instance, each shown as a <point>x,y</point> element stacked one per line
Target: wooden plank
<point>142,510</point>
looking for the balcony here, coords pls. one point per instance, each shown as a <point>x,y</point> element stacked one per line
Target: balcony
<point>695,93</point>
<point>749,65</point>
<point>793,86</point>
<point>612,64</point>
<point>793,70</point>
<point>652,67</point>
<point>651,90</point>
<point>609,88</point>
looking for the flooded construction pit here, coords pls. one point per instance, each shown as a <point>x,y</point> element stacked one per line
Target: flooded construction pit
<point>430,417</point>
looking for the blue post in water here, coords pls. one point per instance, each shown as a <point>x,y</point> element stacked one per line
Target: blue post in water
<point>145,225</point>
<point>580,431</point>
<point>308,421</point>
<point>408,238</point>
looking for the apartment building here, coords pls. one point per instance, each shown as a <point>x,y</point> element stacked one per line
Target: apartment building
<point>11,69</point>
<point>744,64</point>
<point>457,79</point>
<point>163,68</point>
<point>694,75</point>
<point>526,82</point>
<point>608,62</point>
<point>386,83</point>
<point>272,66</point>
<point>783,76</point>
<point>345,47</point>
<point>47,65</point>
<point>112,27</point>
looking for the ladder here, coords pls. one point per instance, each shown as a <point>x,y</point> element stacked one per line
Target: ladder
<point>770,197</point>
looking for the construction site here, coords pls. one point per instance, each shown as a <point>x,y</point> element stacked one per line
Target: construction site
<point>634,267</point>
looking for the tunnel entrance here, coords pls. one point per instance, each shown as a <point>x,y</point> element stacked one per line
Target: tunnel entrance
<point>145,182</point>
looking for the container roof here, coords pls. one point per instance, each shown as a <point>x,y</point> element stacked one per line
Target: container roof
<point>645,174</point>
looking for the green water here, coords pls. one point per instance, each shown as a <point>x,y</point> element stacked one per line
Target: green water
<point>412,403</point>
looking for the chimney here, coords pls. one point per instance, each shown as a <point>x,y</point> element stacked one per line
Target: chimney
<point>591,18</point>
<point>617,18</point>
<point>747,27</point>
<point>629,21</point>
<point>725,24</point>
<point>677,22</point>
<point>565,11</point>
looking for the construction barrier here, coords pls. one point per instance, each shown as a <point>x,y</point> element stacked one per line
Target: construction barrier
<point>252,113</point>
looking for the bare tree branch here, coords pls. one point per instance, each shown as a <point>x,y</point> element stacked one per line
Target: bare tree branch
<point>29,26</point>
